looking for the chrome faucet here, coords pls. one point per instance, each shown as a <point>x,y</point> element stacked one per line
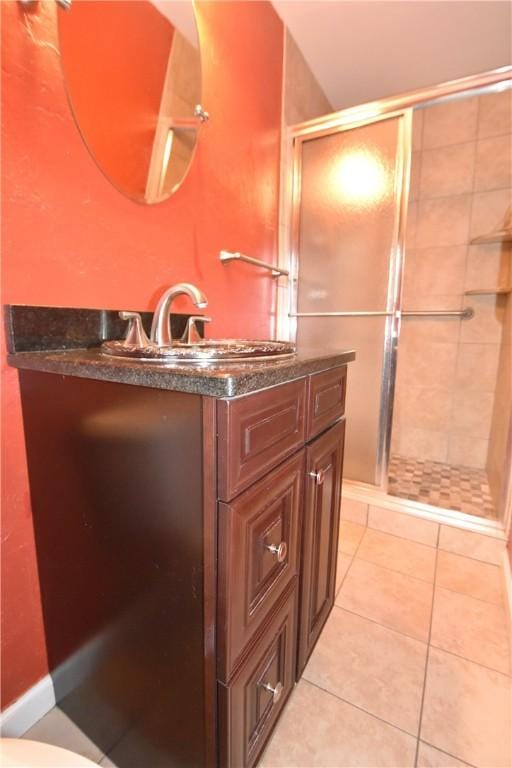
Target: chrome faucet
<point>161,326</point>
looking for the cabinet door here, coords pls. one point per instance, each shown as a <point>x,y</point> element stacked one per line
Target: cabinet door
<point>258,557</point>
<point>320,536</point>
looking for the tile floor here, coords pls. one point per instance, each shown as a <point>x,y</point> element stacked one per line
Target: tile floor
<point>460,488</point>
<point>412,668</point>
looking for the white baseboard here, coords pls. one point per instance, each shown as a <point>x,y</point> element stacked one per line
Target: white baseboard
<point>39,699</point>
<point>28,709</point>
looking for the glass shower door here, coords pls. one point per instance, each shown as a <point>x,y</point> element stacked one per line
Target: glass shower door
<point>347,209</point>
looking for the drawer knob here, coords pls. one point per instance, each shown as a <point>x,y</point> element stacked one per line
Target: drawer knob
<point>280,550</point>
<point>276,692</point>
<point>318,477</point>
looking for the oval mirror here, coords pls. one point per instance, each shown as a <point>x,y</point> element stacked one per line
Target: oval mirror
<point>133,76</point>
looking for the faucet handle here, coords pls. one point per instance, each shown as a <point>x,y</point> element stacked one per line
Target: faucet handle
<point>135,335</point>
<point>191,334</point>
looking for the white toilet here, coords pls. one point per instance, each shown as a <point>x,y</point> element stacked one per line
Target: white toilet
<point>22,753</point>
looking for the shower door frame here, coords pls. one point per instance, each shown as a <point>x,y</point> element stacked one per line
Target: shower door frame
<point>353,117</point>
<point>391,313</point>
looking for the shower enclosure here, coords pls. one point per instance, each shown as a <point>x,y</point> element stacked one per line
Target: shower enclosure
<point>398,246</point>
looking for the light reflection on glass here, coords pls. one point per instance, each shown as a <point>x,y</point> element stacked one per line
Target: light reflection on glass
<point>360,177</point>
<point>166,158</point>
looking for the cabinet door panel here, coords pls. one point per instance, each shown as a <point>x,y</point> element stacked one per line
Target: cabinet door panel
<point>250,706</point>
<point>256,432</point>
<point>326,399</point>
<point>258,557</point>
<point>320,538</point>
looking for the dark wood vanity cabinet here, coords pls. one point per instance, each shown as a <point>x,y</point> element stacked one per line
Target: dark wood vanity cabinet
<point>278,541</point>
<point>190,542</point>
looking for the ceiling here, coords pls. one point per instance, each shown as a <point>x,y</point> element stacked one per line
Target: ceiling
<point>361,50</point>
<point>181,16</point>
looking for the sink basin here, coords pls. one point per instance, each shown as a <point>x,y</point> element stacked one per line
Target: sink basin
<point>209,351</point>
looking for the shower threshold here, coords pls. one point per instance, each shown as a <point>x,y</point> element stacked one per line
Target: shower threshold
<point>462,489</point>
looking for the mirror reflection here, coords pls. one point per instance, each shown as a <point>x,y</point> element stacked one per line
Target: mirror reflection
<point>133,76</point>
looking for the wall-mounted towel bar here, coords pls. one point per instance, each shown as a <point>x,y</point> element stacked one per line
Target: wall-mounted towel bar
<point>341,314</point>
<point>226,256</point>
<point>464,314</point>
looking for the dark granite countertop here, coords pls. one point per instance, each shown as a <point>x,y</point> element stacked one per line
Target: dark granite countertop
<point>67,340</point>
<point>218,380</point>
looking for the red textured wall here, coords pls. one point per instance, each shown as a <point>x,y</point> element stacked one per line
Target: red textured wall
<point>116,93</point>
<point>70,239</point>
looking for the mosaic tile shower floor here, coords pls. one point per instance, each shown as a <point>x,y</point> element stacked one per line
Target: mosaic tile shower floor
<point>460,488</point>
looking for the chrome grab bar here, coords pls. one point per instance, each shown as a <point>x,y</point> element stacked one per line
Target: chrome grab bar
<point>341,314</point>
<point>226,256</point>
<point>465,314</point>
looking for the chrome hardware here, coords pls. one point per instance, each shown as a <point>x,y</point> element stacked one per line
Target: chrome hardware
<point>226,256</point>
<point>280,550</point>
<point>135,335</point>
<point>341,314</point>
<point>318,477</point>
<point>276,692</point>
<point>191,334</point>
<point>201,114</point>
<point>464,314</point>
<point>161,327</point>
<point>194,123</point>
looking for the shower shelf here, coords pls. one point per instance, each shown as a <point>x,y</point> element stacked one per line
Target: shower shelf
<point>489,291</point>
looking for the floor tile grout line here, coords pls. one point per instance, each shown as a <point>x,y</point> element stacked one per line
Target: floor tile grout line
<point>503,607</point>
<point>380,624</point>
<point>470,765</point>
<point>475,559</point>
<point>412,637</point>
<point>394,570</point>
<point>352,558</point>
<point>422,703</point>
<point>405,538</point>
<point>361,709</point>
<point>345,574</point>
<point>472,597</point>
<point>437,545</point>
<point>471,661</point>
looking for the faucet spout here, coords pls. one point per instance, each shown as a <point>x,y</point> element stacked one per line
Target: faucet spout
<point>161,326</point>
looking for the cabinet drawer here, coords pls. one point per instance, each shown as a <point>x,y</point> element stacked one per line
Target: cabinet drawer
<point>326,399</point>
<point>250,706</point>
<point>256,432</point>
<point>258,557</point>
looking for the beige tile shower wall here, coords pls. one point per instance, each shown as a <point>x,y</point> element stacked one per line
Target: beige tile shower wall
<point>304,99</point>
<point>447,369</point>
